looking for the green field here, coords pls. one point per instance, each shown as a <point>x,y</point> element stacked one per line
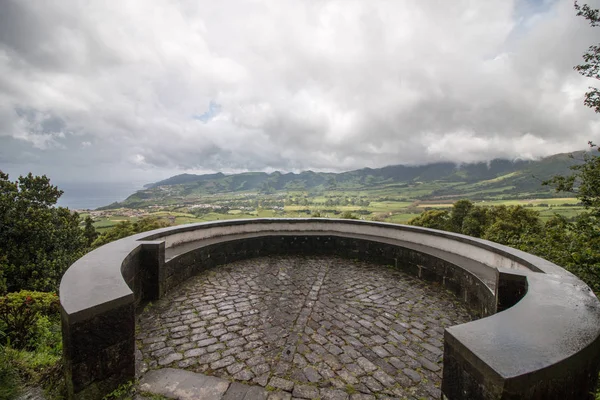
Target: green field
<point>379,205</point>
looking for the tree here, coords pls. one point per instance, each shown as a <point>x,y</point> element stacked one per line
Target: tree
<point>89,231</point>
<point>38,241</point>
<point>476,222</point>
<point>584,182</point>
<point>514,226</point>
<point>460,210</point>
<point>591,58</point>
<point>435,219</point>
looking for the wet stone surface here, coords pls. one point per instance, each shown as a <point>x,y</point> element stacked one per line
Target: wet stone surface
<point>305,327</point>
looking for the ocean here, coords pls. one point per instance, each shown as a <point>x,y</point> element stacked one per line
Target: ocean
<point>91,195</point>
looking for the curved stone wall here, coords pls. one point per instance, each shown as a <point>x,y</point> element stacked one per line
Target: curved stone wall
<point>544,343</point>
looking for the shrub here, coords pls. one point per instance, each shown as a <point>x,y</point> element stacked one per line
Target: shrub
<point>20,313</point>
<point>348,215</point>
<point>9,378</point>
<point>38,241</point>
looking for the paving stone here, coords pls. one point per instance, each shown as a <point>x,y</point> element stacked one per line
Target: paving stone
<point>239,391</point>
<point>214,347</point>
<point>170,358</point>
<point>222,362</point>
<point>299,360</point>
<point>362,396</point>
<point>261,380</point>
<point>366,364</point>
<point>155,346</point>
<point>188,362</point>
<point>322,322</point>
<point>305,392</point>
<point>261,368</point>
<point>428,364</point>
<point>385,379</point>
<point>194,353</point>
<point>311,374</point>
<point>282,384</point>
<point>206,342</point>
<point>209,358</point>
<point>279,396</point>
<point>183,385</point>
<point>154,339</point>
<point>333,394</point>
<point>371,383</point>
<point>414,375</point>
<point>163,352</point>
<point>235,368</point>
<point>243,375</point>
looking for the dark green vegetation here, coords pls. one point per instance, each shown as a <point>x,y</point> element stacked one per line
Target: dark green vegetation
<point>31,345</point>
<point>574,245</point>
<point>38,242</point>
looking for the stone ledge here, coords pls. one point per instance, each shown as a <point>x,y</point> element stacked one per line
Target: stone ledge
<point>547,339</point>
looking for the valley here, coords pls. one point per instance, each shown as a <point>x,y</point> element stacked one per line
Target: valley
<point>391,194</point>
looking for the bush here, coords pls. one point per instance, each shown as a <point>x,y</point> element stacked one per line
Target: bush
<point>32,346</point>
<point>20,315</point>
<point>38,241</point>
<point>348,215</point>
<point>9,378</point>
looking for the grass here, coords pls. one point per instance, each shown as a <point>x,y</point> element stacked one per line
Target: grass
<point>387,203</point>
<point>39,366</point>
<point>10,381</point>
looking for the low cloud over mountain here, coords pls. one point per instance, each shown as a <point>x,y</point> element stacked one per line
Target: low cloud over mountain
<point>136,89</point>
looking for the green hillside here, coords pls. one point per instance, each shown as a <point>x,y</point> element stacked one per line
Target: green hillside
<point>496,180</point>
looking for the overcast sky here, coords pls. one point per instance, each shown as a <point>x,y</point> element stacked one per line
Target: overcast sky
<point>118,90</point>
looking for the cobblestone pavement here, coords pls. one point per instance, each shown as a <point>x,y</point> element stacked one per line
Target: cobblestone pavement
<point>314,327</point>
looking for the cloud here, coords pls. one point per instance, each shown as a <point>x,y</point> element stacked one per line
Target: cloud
<point>126,90</point>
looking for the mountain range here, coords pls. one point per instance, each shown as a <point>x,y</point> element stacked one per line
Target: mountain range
<point>507,178</point>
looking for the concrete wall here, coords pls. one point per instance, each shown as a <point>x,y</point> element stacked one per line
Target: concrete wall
<point>546,337</point>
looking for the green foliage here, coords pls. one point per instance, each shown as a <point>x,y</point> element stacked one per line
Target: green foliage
<point>435,219</point>
<point>350,389</point>
<point>573,244</point>
<point>89,231</point>
<point>127,228</point>
<point>10,382</point>
<point>578,242</point>
<point>3,261</point>
<point>124,391</point>
<point>584,182</point>
<point>38,241</point>
<point>475,222</point>
<point>513,226</point>
<point>591,58</point>
<point>460,210</point>
<point>348,215</point>
<point>37,367</point>
<point>24,317</point>
<point>38,363</point>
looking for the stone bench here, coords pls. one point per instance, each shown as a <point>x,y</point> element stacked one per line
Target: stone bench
<point>538,337</point>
